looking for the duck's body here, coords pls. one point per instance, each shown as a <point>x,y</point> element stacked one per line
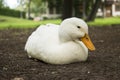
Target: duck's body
<point>48,45</point>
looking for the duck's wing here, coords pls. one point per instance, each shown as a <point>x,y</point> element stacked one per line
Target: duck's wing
<point>43,37</point>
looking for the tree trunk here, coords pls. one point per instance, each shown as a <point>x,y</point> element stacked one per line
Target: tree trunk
<point>84,9</point>
<point>87,7</point>
<point>67,9</point>
<point>29,2</point>
<point>93,12</point>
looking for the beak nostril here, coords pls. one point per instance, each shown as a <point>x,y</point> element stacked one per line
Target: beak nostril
<point>87,38</point>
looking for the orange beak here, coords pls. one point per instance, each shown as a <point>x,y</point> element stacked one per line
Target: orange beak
<point>88,43</point>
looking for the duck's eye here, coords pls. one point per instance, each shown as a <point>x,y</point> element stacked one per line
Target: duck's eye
<point>78,27</point>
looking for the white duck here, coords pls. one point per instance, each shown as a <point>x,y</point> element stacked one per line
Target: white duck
<point>60,44</point>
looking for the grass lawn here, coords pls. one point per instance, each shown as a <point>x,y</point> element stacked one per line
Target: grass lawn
<point>10,22</point>
<point>105,21</point>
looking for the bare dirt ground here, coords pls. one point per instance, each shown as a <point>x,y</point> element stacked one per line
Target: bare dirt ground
<point>102,64</point>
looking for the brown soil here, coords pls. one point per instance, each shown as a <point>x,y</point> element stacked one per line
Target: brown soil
<point>102,64</point>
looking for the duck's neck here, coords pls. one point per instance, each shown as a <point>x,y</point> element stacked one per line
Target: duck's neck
<point>64,37</point>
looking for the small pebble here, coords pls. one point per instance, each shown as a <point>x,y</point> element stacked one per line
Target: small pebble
<point>54,72</point>
<point>88,72</point>
<point>4,68</point>
<point>18,78</point>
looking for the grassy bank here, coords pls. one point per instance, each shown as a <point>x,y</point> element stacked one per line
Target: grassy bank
<point>10,22</point>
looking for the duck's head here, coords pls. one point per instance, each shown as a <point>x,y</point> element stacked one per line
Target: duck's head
<point>75,29</point>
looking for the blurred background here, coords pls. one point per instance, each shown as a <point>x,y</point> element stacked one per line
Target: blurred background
<point>39,10</point>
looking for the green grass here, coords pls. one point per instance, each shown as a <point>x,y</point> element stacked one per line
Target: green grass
<point>105,21</point>
<point>10,22</point>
